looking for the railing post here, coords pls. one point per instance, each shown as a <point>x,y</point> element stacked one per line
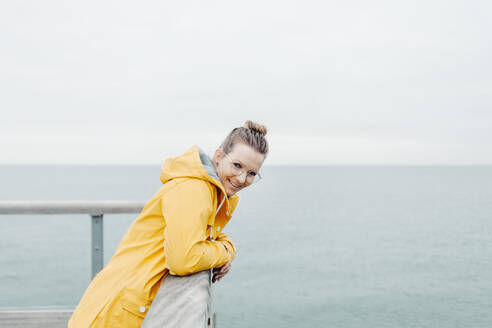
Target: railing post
<point>97,244</point>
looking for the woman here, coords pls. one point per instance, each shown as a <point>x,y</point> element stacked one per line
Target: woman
<point>171,234</point>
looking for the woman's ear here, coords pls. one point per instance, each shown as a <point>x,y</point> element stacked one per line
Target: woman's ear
<point>217,157</point>
<point>218,154</point>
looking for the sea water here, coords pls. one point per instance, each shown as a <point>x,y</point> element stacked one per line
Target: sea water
<point>334,246</point>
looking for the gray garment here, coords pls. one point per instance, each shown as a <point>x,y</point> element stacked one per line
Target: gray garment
<point>207,164</point>
<point>181,302</point>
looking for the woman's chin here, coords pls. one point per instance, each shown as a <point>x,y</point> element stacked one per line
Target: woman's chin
<point>230,192</point>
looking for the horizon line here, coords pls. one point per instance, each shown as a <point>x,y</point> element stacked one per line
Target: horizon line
<point>266,165</point>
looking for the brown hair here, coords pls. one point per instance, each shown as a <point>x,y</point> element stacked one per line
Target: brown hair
<point>251,134</point>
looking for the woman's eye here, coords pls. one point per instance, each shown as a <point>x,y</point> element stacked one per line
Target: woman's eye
<point>237,165</point>
<point>252,173</point>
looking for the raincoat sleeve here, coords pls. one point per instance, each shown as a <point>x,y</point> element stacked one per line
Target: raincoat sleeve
<point>187,208</point>
<point>228,243</point>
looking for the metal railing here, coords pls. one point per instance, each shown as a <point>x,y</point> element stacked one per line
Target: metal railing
<point>96,209</point>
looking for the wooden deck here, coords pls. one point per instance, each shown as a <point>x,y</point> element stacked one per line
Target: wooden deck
<point>38,319</point>
<point>47,319</point>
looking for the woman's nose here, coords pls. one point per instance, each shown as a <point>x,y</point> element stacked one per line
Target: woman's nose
<point>242,177</point>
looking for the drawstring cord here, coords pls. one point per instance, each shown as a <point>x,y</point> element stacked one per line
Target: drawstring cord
<point>211,275</point>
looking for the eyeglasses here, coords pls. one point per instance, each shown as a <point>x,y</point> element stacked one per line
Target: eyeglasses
<point>237,169</point>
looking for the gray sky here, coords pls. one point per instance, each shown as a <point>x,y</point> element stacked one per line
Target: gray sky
<point>336,82</point>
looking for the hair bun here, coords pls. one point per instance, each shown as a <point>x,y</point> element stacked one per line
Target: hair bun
<point>255,127</point>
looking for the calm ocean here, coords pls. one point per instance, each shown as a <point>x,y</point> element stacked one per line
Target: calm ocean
<point>326,246</point>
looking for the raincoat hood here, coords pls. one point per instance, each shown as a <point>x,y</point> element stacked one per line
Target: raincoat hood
<point>195,164</point>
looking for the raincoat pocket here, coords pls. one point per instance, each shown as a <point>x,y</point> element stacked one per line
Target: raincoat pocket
<point>133,309</point>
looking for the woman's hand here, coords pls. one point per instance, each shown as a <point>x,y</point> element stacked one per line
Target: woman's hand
<point>219,273</point>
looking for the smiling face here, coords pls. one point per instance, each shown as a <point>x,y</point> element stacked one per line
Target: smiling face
<point>237,169</point>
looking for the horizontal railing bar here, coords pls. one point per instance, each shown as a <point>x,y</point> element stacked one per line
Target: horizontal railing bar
<point>70,207</point>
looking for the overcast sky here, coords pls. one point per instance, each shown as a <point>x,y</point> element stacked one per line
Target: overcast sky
<point>336,82</point>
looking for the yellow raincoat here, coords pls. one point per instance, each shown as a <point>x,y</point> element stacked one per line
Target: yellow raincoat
<point>171,235</point>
